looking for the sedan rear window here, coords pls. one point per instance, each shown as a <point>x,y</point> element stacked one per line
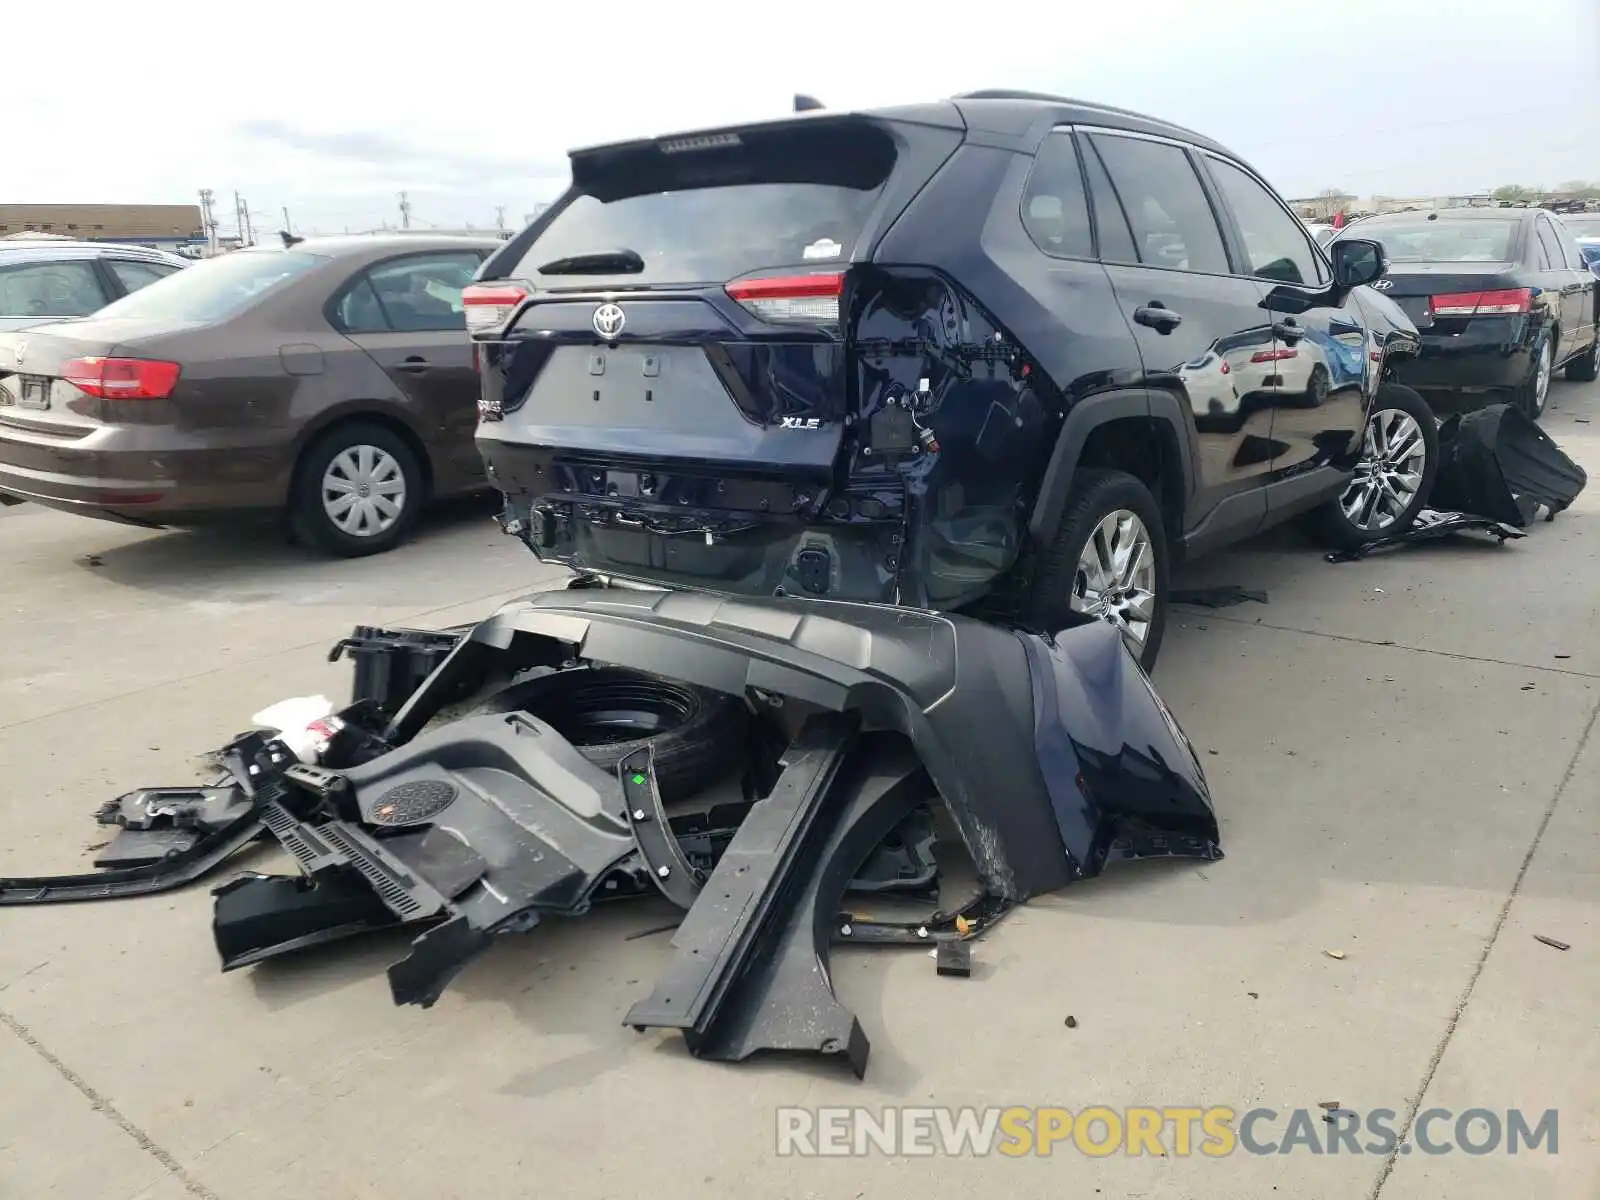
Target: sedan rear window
<point>1446,239</point>
<point>216,287</point>
<point>709,210</point>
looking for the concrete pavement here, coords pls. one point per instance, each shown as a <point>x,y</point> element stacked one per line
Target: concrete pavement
<point>1403,758</point>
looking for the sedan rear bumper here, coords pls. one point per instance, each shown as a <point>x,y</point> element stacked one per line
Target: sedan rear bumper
<point>125,476</point>
<point>1487,358</point>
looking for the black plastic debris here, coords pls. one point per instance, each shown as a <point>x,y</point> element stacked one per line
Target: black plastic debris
<point>1428,526</point>
<point>1497,463</point>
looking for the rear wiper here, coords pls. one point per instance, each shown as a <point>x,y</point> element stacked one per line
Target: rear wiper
<point>599,262</point>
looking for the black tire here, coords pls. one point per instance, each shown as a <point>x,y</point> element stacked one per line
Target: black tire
<point>1331,521</point>
<point>698,735</point>
<point>1095,494</point>
<point>308,516</point>
<point>1526,396</point>
<point>1586,367</point>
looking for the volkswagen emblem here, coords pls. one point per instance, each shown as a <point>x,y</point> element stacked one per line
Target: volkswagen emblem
<point>22,352</point>
<point>609,320</point>
<point>1383,285</point>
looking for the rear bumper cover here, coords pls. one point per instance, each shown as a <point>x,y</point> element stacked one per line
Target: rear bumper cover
<point>1052,756</point>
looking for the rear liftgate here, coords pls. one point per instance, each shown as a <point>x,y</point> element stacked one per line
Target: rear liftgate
<point>1052,757</point>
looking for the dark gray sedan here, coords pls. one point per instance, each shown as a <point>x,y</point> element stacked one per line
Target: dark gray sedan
<point>330,379</point>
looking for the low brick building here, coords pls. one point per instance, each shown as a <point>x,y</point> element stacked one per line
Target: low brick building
<point>159,225</point>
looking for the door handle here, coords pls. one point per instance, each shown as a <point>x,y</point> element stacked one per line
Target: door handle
<point>1158,317</point>
<point>1288,329</point>
<point>414,364</point>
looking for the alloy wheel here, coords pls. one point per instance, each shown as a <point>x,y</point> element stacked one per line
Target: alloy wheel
<point>1389,473</point>
<point>364,491</point>
<point>1116,576</point>
<point>1541,378</point>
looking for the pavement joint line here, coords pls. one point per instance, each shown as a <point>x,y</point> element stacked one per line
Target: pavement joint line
<point>1483,958</point>
<point>109,1110</point>
<point>139,691</point>
<point>1391,645</point>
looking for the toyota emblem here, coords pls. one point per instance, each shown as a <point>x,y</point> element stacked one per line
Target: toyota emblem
<point>609,320</point>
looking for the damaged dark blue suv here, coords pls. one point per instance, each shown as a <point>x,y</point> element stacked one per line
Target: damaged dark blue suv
<point>1004,354</point>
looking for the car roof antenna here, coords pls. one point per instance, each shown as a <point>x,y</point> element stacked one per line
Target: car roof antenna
<point>807,103</point>
<point>289,239</point>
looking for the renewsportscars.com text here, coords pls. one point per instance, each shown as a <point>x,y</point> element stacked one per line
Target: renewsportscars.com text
<point>1166,1131</point>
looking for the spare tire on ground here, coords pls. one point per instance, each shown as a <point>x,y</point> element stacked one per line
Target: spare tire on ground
<point>698,735</point>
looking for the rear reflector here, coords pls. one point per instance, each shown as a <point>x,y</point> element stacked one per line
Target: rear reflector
<point>792,299</point>
<point>122,378</point>
<point>1482,304</point>
<point>489,307</point>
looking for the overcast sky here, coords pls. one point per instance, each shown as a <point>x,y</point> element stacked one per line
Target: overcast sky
<point>467,107</point>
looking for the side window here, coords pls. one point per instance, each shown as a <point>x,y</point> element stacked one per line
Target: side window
<point>1110,222</point>
<point>1569,246</point>
<point>1167,209</point>
<point>1275,243</point>
<point>360,310</point>
<point>135,275</point>
<point>423,292</point>
<point>1541,256</point>
<point>1551,245</point>
<point>50,289</point>
<point>1055,211</point>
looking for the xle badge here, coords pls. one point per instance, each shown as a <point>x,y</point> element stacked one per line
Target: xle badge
<point>801,422</point>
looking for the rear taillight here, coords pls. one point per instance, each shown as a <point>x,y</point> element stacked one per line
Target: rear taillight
<point>1482,304</point>
<point>1278,355</point>
<point>490,306</point>
<point>122,378</point>
<point>792,299</point>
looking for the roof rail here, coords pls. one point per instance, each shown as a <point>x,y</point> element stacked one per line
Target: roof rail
<point>1011,94</point>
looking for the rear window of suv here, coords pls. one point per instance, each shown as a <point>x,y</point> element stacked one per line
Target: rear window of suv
<point>713,208</point>
<point>216,287</point>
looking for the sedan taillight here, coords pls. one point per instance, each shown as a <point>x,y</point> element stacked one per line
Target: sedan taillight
<point>122,378</point>
<point>1482,304</point>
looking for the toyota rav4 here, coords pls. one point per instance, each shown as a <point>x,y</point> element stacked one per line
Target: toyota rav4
<point>1006,354</point>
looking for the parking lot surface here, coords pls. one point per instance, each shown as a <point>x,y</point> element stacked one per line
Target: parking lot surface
<point>1404,765</point>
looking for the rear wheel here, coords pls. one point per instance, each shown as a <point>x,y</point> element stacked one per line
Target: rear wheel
<point>1392,479</point>
<point>1586,367</point>
<point>1107,562</point>
<point>1535,390</point>
<point>358,490</point>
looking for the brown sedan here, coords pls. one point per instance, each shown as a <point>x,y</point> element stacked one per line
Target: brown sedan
<point>330,379</point>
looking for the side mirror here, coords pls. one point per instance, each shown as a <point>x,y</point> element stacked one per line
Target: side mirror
<point>1358,261</point>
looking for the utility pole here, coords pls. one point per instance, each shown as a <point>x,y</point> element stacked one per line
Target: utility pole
<point>405,212</point>
<point>499,216</point>
<point>238,215</point>
<point>208,221</point>
<point>287,228</point>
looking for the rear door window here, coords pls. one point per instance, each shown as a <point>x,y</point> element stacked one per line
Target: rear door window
<point>1055,210</point>
<point>707,210</point>
<point>1166,206</point>
<point>1551,244</point>
<point>414,294</point>
<point>50,289</point>
<point>1111,230</point>
<point>1274,241</point>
